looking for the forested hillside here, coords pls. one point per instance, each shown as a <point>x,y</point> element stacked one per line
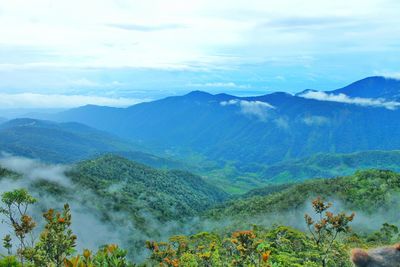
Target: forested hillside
<point>131,186</point>
<point>330,165</point>
<point>244,232</point>
<point>368,191</point>
<point>119,197</point>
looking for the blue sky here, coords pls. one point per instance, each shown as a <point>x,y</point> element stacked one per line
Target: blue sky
<point>71,53</point>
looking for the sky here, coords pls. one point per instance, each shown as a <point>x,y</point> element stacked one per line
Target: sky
<point>61,54</point>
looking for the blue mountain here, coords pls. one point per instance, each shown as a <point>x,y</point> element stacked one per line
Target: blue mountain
<point>258,130</point>
<point>68,142</point>
<point>372,87</point>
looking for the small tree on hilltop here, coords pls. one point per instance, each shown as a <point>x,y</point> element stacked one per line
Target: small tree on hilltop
<point>327,227</point>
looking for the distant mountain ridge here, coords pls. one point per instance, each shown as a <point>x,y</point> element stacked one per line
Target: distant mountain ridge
<point>68,142</point>
<point>263,129</point>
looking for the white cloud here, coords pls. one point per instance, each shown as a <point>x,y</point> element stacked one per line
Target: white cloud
<point>257,109</point>
<point>33,100</point>
<point>342,98</point>
<point>282,122</point>
<point>315,120</point>
<point>390,75</point>
<point>35,170</point>
<point>181,33</point>
<point>220,85</point>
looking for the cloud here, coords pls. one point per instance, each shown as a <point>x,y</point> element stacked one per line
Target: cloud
<point>86,220</point>
<point>282,123</point>
<point>342,98</point>
<point>257,109</point>
<point>183,35</point>
<point>315,120</point>
<point>220,85</point>
<point>35,170</point>
<point>33,100</point>
<point>390,75</point>
<point>308,22</point>
<point>146,28</point>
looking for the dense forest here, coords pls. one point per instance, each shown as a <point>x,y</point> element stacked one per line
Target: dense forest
<point>312,223</point>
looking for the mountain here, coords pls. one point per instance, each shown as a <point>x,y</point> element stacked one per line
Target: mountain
<point>167,194</point>
<point>247,130</point>
<point>369,191</point>
<point>330,165</point>
<point>373,87</point>
<point>2,120</point>
<point>67,142</point>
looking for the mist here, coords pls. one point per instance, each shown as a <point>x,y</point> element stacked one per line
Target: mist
<point>92,227</point>
<point>95,228</point>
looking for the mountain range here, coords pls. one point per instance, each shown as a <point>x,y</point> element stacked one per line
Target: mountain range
<point>237,143</point>
<point>263,129</point>
<point>69,142</point>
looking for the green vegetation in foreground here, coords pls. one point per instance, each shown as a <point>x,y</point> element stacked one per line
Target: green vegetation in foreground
<point>326,244</point>
<point>117,184</point>
<point>126,196</point>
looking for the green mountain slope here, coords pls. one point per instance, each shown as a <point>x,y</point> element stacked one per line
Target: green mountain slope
<point>167,194</point>
<point>69,142</point>
<point>369,191</point>
<point>331,165</point>
<point>238,179</point>
<point>53,142</point>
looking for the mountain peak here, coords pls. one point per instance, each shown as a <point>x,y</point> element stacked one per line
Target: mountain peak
<point>198,93</point>
<point>372,87</point>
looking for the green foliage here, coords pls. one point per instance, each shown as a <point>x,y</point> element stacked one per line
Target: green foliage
<point>6,173</point>
<point>368,191</point>
<point>107,256</point>
<point>18,197</point>
<point>16,204</point>
<point>328,226</point>
<point>133,187</point>
<point>388,234</point>
<point>280,246</point>
<point>9,261</point>
<point>238,177</point>
<point>111,186</point>
<point>7,243</point>
<point>56,241</point>
<point>329,165</point>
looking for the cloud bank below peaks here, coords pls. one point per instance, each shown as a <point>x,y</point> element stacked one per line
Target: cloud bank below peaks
<point>342,98</point>
<point>257,109</point>
<point>33,100</point>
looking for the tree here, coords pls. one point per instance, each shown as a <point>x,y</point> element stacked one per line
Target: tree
<point>57,240</point>
<point>7,244</point>
<point>16,204</point>
<point>328,226</point>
